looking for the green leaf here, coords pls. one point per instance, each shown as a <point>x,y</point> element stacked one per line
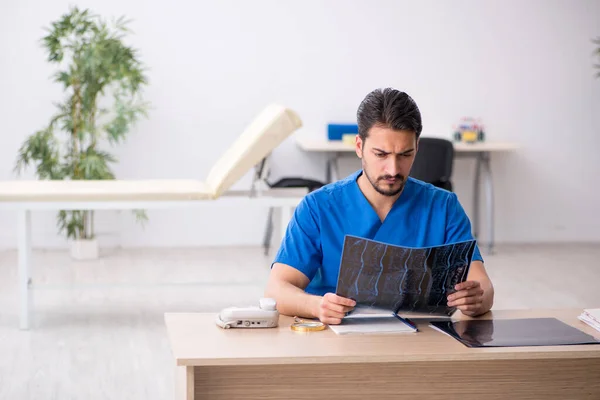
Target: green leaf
<point>40,151</point>
<point>64,78</point>
<point>71,223</point>
<point>94,164</point>
<point>102,79</point>
<point>126,115</point>
<point>141,217</point>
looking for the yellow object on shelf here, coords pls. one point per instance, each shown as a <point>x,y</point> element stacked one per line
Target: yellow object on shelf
<point>349,138</point>
<point>469,136</point>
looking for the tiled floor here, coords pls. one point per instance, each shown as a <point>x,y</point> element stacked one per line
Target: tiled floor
<point>98,329</point>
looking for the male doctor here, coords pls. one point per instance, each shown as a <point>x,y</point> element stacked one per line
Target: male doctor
<point>379,202</point>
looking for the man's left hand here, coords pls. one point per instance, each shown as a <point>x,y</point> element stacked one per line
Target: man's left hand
<point>468,298</point>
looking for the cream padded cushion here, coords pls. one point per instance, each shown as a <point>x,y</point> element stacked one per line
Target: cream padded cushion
<point>103,190</point>
<point>271,127</point>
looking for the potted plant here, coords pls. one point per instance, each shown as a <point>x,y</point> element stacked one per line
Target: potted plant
<point>102,78</point>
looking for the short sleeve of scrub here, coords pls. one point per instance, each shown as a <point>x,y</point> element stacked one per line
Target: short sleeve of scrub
<point>458,226</point>
<point>301,245</point>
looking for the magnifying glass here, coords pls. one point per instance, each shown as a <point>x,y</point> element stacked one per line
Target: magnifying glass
<point>301,325</point>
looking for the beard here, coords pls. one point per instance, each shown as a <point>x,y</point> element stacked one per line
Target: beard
<point>384,188</point>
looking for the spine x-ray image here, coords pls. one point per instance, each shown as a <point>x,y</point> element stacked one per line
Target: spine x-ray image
<point>397,279</point>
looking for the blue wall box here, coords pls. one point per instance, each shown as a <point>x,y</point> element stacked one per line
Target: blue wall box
<point>336,131</point>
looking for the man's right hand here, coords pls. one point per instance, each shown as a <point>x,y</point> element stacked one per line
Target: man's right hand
<point>332,308</point>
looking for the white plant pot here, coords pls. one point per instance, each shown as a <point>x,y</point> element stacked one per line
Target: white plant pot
<point>84,249</point>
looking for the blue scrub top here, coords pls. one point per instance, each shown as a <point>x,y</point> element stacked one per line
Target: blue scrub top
<point>422,216</point>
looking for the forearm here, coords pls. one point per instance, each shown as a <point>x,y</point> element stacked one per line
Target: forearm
<point>292,300</point>
<point>478,273</point>
<point>488,294</point>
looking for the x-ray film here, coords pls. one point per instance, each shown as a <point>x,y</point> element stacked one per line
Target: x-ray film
<point>402,279</point>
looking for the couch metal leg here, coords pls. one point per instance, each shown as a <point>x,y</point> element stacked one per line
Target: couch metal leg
<point>268,232</point>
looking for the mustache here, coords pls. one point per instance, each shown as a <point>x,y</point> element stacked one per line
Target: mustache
<point>398,177</point>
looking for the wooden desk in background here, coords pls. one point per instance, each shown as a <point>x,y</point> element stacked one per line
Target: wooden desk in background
<point>213,363</point>
<point>480,151</point>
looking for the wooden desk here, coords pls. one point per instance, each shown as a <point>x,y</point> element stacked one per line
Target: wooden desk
<point>480,151</point>
<point>279,363</point>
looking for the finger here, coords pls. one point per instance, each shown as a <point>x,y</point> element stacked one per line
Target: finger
<point>326,312</point>
<point>469,308</point>
<point>347,309</point>
<point>465,300</point>
<point>334,298</point>
<point>331,321</point>
<point>335,307</point>
<point>467,285</point>
<point>465,293</point>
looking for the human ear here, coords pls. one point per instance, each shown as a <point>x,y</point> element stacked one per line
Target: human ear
<point>359,146</point>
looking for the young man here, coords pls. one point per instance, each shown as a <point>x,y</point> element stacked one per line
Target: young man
<point>379,202</point>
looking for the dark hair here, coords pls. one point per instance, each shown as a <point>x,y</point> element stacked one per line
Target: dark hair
<point>390,108</point>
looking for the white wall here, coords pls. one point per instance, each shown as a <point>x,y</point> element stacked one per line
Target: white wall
<point>525,67</point>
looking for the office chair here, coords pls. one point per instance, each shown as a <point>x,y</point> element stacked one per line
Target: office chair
<point>288,182</point>
<point>433,162</point>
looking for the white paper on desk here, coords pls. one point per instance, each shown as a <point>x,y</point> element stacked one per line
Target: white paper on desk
<point>593,313</point>
<point>591,317</point>
<point>371,323</point>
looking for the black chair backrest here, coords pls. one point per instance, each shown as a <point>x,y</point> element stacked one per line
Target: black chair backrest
<point>434,161</point>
